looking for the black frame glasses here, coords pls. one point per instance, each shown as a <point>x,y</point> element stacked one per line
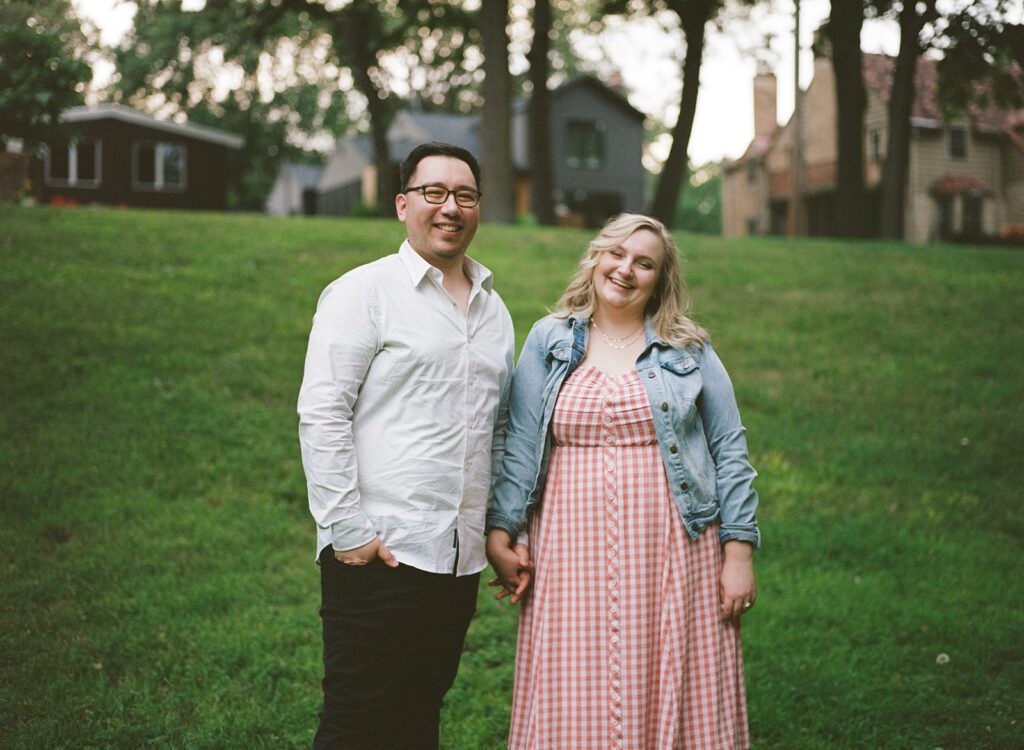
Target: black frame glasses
<point>464,197</point>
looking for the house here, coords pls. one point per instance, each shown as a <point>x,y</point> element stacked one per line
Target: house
<point>596,139</point>
<point>121,156</point>
<point>294,192</point>
<point>965,177</point>
<point>349,180</point>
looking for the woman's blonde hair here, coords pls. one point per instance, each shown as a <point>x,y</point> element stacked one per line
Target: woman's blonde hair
<point>668,305</point>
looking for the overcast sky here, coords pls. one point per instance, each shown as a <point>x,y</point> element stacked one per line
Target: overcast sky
<point>644,53</point>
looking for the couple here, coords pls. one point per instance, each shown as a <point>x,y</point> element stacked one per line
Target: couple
<point>622,508</point>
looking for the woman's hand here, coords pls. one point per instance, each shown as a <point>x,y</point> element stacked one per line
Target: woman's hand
<point>511,563</point>
<point>737,582</point>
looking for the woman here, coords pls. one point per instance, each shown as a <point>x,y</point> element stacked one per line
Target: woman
<point>627,462</point>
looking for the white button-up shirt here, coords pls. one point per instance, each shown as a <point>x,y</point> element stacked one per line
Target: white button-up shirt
<point>402,411</point>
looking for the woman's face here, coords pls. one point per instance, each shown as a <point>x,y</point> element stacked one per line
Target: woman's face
<point>626,276</point>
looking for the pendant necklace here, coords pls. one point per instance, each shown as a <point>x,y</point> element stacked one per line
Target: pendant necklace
<point>617,343</point>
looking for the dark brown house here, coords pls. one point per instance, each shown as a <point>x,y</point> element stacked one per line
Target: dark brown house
<point>123,157</point>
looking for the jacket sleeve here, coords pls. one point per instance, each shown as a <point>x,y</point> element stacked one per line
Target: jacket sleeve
<point>342,344</point>
<point>501,417</point>
<point>727,443</point>
<point>523,439</point>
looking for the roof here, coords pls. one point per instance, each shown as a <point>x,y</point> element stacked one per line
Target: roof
<point>305,175</point>
<point>137,117</point>
<point>610,94</point>
<point>410,129</point>
<point>926,112</point>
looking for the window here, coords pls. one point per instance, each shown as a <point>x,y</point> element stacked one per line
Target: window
<point>957,142</point>
<point>586,144</point>
<point>875,136</point>
<point>752,171</point>
<point>158,166</point>
<point>74,165</point>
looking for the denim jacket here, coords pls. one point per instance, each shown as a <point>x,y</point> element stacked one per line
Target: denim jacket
<point>703,443</point>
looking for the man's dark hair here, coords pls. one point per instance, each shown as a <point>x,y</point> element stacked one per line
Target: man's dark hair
<point>435,148</point>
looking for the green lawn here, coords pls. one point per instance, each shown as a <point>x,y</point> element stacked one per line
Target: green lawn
<point>158,586</point>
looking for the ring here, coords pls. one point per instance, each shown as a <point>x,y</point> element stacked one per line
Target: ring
<point>747,605</point>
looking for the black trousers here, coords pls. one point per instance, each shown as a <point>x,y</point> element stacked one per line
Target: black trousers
<point>392,642</point>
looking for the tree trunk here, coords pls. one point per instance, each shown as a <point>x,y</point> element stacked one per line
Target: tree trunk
<point>499,205</point>
<point>844,27</point>
<point>901,101</point>
<point>542,198</point>
<point>353,30</point>
<point>693,15</point>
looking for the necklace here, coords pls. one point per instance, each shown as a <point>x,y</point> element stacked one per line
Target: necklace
<point>617,343</point>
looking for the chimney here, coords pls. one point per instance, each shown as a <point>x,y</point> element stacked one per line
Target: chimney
<point>765,113</point>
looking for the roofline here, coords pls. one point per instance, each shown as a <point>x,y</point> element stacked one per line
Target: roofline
<point>135,117</point>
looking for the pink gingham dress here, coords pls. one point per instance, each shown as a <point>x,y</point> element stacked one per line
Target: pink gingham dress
<point>620,641</point>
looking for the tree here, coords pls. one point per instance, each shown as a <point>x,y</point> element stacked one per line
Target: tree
<point>179,55</point>
<point>983,56</point>
<point>982,60</point>
<point>843,32</point>
<point>693,17</point>
<point>542,197</point>
<point>42,72</point>
<point>913,17</point>
<point>496,143</point>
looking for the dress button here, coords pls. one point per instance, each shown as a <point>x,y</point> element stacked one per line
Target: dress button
<point>664,405</point>
<point>673,449</point>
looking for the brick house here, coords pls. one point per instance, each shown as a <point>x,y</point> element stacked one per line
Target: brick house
<point>965,177</point>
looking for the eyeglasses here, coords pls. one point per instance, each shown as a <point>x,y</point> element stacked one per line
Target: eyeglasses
<point>438,194</point>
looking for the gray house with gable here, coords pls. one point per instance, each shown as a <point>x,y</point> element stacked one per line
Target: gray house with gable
<point>596,142</point>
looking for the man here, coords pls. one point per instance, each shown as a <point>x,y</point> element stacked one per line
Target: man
<point>407,370</point>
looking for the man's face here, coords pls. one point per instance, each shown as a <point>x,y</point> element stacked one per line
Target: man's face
<point>439,232</point>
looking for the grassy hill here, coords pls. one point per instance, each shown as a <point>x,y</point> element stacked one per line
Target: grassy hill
<point>158,586</point>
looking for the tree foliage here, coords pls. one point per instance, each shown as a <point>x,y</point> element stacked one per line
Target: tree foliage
<point>42,70</point>
<point>983,56</point>
<point>301,67</point>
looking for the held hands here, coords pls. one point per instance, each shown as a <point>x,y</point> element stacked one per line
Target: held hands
<point>511,563</point>
<point>367,553</point>
<point>737,582</point>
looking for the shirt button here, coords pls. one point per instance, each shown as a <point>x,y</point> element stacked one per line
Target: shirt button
<point>651,374</point>
<point>673,449</point>
<point>684,486</point>
<point>664,405</point>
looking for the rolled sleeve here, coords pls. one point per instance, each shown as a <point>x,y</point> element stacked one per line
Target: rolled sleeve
<point>342,343</point>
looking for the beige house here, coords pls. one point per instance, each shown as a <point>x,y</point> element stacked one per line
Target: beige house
<point>965,178</point>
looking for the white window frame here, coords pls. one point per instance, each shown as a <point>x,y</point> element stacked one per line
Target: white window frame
<point>72,179</point>
<point>158,184</point>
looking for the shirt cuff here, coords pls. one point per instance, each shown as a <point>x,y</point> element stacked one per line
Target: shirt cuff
<point>355,532</point>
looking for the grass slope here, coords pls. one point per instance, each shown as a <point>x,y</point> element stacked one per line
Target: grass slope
<point>158,587</point>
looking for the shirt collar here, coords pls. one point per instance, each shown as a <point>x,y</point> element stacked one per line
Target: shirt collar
<point>417,268</point>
